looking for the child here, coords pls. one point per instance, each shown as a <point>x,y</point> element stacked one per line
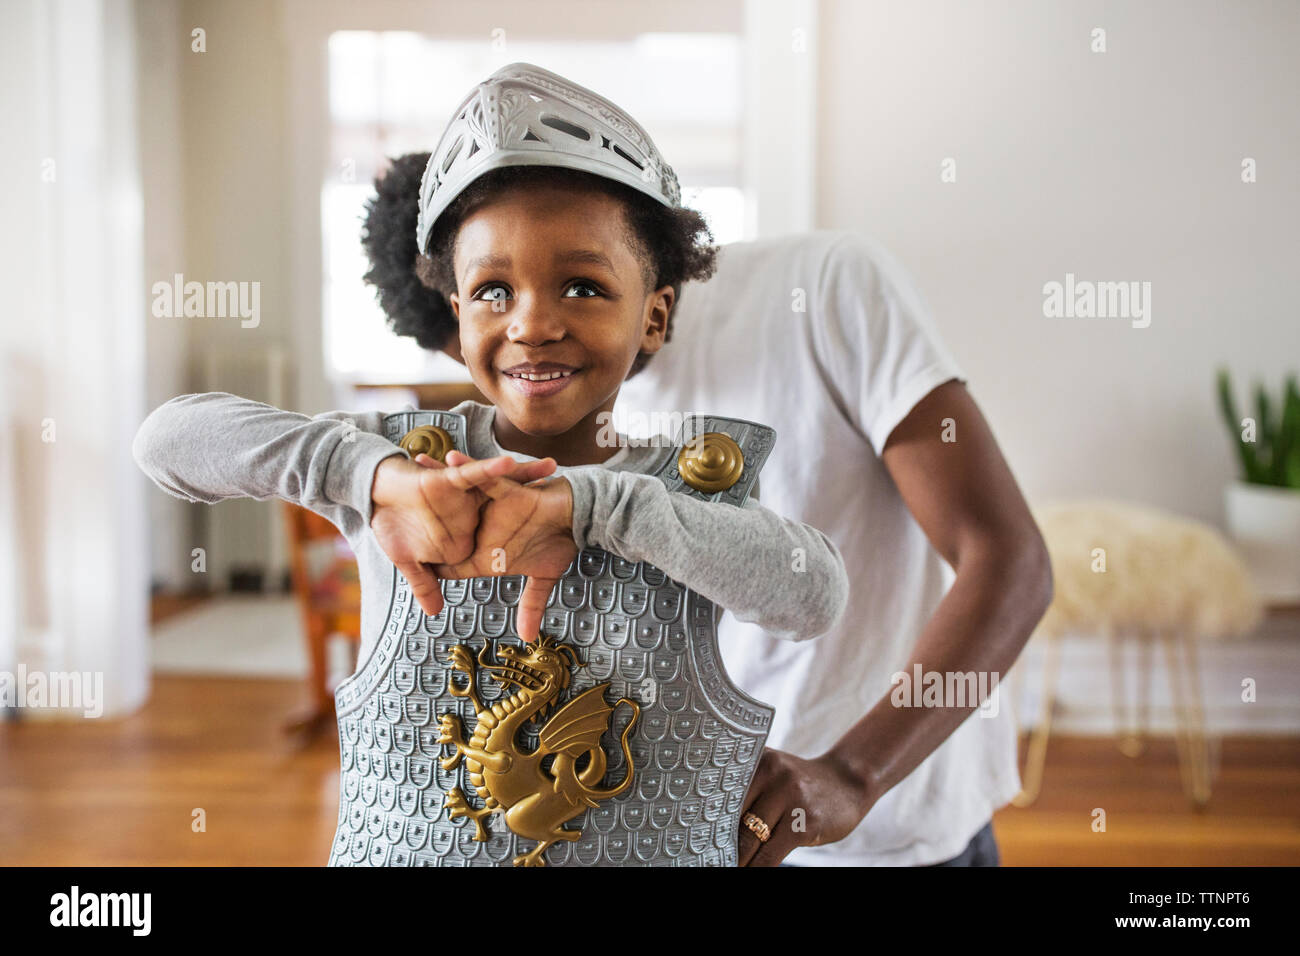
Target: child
<point>554,231</point>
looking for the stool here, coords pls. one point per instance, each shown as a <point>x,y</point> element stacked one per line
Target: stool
<point>1129,572</point>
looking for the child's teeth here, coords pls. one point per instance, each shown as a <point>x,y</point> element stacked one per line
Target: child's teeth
<point>540,377</point>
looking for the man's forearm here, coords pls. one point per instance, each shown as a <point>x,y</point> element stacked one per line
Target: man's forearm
<point>980,626</point>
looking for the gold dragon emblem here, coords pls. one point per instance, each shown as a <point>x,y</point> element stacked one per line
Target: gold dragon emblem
<point>536,800</point>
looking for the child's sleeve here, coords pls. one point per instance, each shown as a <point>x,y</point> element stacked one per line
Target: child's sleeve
<point>784,576</point>
<point>212,446</point>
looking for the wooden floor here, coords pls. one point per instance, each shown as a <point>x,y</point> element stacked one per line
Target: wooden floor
<point>1253,817</point>
<point>97,792</point>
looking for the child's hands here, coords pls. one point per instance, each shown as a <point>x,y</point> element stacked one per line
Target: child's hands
<point>426,513</point>
<point>525,528</point>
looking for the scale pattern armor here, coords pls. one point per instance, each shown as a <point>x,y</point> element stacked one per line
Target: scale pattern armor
<point>696,740</point>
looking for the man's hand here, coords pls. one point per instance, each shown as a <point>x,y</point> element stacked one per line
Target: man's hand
<point>426,513</point>
<point>817,796</point>
<point>524,529</point>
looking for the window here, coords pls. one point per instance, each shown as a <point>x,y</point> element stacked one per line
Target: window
<point>392,93</point>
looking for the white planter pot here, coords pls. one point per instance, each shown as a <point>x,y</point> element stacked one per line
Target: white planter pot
<point>1264,521</point>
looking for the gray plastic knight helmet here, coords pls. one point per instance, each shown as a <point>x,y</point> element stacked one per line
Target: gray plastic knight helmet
<point>523,115</point>
<point>617,739</point>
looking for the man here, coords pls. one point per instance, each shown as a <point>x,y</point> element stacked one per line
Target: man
<point>880,446</point>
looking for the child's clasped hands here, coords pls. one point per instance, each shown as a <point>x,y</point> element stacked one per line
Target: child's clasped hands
<point>466,518</point>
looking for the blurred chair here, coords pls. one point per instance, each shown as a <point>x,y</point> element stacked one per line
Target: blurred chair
<point>328,588</point>
<point>1130,573</point>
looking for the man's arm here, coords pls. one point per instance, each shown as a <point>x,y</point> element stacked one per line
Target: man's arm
<point>966,500</point>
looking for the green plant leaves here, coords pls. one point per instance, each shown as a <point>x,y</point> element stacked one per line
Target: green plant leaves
<point>1274,457</point>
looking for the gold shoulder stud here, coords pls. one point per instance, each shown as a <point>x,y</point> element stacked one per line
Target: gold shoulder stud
<point>711,462</point>
<point>428,440</point>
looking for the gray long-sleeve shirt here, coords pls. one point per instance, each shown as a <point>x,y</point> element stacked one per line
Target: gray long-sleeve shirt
<point>784,576</point>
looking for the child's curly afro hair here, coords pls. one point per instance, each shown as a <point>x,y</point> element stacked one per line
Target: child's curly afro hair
<point>675,245</point>
<point>388,236</point>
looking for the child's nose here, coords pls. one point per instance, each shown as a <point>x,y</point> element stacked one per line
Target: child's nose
<point>533,323</point>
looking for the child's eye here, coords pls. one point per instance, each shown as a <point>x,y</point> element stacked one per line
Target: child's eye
<point>487,293</point>
<point>586,290</point>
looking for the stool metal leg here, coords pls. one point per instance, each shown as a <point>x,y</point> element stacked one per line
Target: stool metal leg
<point>1126,733</point>
<point>1144,691</point>
<point>1131,720</point>
<point>1189,716</point>
<point>1036,759</point>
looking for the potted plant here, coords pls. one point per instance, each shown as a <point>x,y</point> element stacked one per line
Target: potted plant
<point>1263,508</point>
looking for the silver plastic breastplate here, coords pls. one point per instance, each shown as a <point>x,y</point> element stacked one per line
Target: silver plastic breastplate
<point>695,740</point>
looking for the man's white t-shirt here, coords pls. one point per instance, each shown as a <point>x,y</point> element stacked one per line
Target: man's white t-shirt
<point>823,337</point>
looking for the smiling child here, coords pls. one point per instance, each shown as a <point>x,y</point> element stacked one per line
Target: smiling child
<point>561,259</point>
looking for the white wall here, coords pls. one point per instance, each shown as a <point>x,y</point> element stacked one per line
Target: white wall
<point>73,340</point>
<point>162,42</point>
<point>1123,165</point>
